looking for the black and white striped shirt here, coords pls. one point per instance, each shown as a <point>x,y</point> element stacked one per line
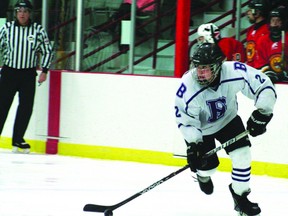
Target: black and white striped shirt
<point>20,46</point>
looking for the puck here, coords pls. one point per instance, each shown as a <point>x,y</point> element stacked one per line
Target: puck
<point>108,212</point>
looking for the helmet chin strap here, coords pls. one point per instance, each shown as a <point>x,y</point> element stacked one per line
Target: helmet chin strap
<point>216,81</point>
<point>216,78</point>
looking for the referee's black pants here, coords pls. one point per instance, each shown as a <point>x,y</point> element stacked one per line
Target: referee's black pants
<point>21,81</point>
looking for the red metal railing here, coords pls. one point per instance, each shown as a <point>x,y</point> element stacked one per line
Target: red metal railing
<point>154,35</point>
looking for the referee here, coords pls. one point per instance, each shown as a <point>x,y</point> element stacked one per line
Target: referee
<point>21,42</point>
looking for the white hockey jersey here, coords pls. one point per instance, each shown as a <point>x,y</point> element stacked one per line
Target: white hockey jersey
<point>203,110</point>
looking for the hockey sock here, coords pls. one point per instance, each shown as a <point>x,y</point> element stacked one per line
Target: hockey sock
<point>241,163</point>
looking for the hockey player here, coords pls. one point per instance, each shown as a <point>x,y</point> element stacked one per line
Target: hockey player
<point>257,13</point>
<point>206,109</point>
<point>272,55</point>
<point>231,48</point>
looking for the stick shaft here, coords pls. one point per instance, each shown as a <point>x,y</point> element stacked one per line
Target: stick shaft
<point>283,50</point>
<point>227,143</point>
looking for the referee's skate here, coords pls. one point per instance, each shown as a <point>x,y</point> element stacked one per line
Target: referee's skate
<point>22,147</point>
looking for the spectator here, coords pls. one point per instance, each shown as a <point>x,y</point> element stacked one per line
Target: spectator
<point>231,48</point>
<point>125,10</point>
<point>20,43</point>
<point>257,14</point>
<point>276,3</point>
<point>272,57</point>
<point>142,4</point>
<point>113,24</point>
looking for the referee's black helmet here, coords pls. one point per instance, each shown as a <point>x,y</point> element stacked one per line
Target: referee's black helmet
<point>23,4</point>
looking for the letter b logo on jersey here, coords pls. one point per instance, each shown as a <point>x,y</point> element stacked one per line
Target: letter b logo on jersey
<point>217,108</point>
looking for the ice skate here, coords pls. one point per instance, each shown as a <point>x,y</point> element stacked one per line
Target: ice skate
<point>206,184</point>
<point>243,214</point>
<point>22,147</point>
<point>243,206</point>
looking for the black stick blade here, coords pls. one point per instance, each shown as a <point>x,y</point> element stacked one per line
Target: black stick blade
<point>95,208</point>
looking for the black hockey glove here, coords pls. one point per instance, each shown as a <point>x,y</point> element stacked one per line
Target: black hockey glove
<point>277,76</point>
<point>274,77</point>
<point>282,76</point>
<point>194,156</point>
<point>257,122</point>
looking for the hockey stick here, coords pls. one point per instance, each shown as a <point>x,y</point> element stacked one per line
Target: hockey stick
<point>224,145</point>
<point>283,49</point>
<point>108,209</point>
<point>283,60</point>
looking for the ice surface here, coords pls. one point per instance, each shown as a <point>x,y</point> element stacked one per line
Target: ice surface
<point>52,185</point>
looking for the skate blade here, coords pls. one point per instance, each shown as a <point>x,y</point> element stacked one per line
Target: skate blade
<point>243,214</point>
<point>20,151</point>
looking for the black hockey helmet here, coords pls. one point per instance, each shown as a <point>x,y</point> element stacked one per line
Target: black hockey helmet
<point>23,3</point>
<point>275,31</point>
<point>259,6</point>
<point>211,55</point>
<point>279,12</point>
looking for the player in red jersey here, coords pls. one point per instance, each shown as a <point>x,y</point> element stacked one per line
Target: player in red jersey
<point>272,55</point>
<point>232,49</point>
<point>258,10</point>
